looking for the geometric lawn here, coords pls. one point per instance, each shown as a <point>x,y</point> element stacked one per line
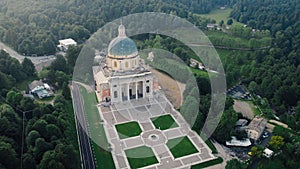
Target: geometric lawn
<point>164,122</point>
<point>127,130</point>
<point>181,146</point>
<point>140,157</point>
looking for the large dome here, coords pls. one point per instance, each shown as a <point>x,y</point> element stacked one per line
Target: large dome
<point>122,46</point>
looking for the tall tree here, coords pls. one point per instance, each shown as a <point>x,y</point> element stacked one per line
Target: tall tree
<point>28,67</point>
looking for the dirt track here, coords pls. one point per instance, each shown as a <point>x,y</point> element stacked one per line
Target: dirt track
<point>243,107</point>
<point>172,88</point>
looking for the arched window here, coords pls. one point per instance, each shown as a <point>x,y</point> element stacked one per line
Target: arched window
<point>116,94</point>
<point>115,64</point>
<point>147,89</point>
<point>126,64</point>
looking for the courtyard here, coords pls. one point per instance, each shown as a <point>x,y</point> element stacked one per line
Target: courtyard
<point>151,134</point>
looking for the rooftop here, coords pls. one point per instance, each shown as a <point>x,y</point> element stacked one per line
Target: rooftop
<point>257,124</point>
<point>122,45</point>
<point>35,84</point>
<point>68,41</point>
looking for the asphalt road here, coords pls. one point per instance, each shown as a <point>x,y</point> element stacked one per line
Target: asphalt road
<point>86,152</point>
<point>35,60</point>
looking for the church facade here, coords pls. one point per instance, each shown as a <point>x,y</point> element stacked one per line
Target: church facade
<point>122,75</point>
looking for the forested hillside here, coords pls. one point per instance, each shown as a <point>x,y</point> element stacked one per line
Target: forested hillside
<point>44,134</point>
<point>277,71</point>
<point>34,27</point>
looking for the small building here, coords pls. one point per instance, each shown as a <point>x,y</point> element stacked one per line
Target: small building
<point>65,43</point>
<point>241,123</point>
<point>194,63</point>
<point>256,128</point>
<point>210,26</point>
<point>238,143</point>
<point>36,85</point>
<point>40,89</point>
<point>150,56</point>
<point>268,153</point>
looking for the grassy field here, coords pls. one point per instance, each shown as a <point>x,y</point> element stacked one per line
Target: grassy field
<point>164,122</point>
<point>254,108</point>
<point>140,157</point>
<point>180,147</point>
<point>218,38</point>
<point>221,14</point>
<point>71,133</point>
<point>103,158</point>
<point>130,129</point>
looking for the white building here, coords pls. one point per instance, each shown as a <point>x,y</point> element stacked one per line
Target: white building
<point>65,43</point>
<point>268,153</point>
<point>122,75</point>
<point>238,143</point>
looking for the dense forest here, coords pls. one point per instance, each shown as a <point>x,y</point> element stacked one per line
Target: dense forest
<point>34,27</point>
<point>277,69</point>
<point>33,134</point>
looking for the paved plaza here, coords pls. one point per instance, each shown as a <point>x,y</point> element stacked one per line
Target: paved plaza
<point>142,111</point>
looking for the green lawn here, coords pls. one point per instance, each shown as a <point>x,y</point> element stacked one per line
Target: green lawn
<point>181,146</point>
<point>164,122</point>
<point>254,108</point>
<point>199,72</point>
<point>219,38</point>
<point>218,160</point>
<point>221,14</point>
<point>103,158</point>
<point>211,146</point>
<point>140,157</point>
<point>130,129</point>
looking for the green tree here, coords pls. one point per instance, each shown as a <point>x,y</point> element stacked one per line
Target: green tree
<point>276,142</point>
<point>48,47</point>
<point>28,161</point>
<point>28,67</point>
<point>221,23</point>
<point>8,156</point>
<point>59,64</point>
<point>72,54</point>
<point>50,160</point>
<point>230,22</point>
<point>234,164</point>
<point>257,151</point>
<point>31,137</point>
<point>66,91</point>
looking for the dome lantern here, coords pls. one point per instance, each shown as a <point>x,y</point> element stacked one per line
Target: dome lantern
<point>122,31</point>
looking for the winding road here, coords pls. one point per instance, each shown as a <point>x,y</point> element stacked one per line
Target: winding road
<point>38,61</point>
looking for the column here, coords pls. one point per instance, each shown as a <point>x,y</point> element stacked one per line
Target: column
<point>136,90</point>
<point>144,89</point>
<point>128,98</point>
<point>120,93</point>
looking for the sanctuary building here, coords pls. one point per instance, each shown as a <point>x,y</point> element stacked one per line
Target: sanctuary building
<point>122,75</point>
